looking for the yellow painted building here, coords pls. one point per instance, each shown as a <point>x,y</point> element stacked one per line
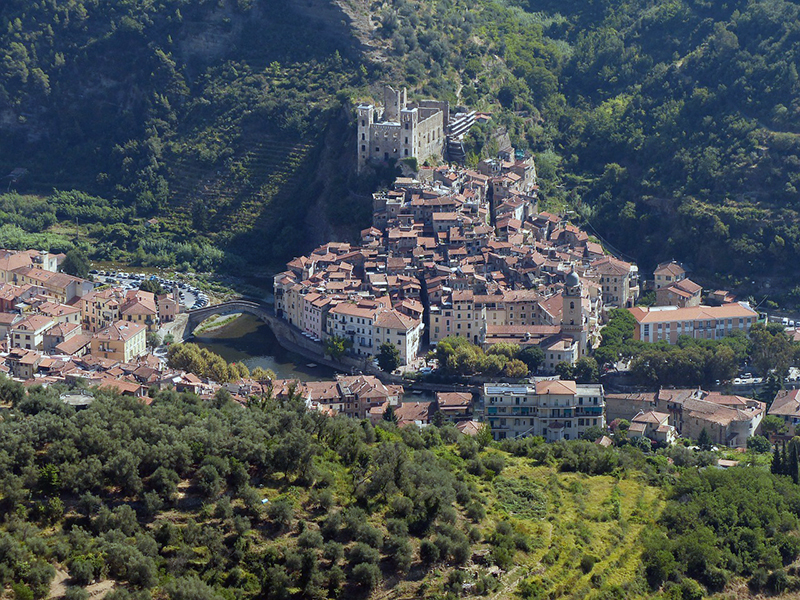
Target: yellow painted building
<point>122,341</point>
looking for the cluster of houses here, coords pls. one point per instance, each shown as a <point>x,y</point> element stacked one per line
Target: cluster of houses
<point>459,252</point>
<point>554,409</point>
<point>56,327</point>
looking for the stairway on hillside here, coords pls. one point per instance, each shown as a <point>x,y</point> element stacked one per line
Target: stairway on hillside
<point>455,151</point>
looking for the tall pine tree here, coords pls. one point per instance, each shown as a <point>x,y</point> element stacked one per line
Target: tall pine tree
<point>704,441</point>
<point>793,466</point>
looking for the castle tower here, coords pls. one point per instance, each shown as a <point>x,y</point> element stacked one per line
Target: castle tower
<point>393,102</point>
<point>366,115</point>
<point>573,317</point>
<point>409,117</point>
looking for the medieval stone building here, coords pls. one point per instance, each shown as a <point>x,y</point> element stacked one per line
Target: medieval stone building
<point>401,129</point>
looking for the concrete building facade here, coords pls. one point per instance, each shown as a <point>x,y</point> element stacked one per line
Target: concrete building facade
<point>553,409</point>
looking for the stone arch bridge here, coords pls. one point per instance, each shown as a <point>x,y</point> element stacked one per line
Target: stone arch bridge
<point>257,309</point>
<point>288,336</point>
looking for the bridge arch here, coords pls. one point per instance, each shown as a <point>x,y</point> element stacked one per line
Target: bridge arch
<point>257,309</point>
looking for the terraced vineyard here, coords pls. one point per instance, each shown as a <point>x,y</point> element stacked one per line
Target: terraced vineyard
<point>266,172</point>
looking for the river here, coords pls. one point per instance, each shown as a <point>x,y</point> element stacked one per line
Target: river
<point>249,340</point>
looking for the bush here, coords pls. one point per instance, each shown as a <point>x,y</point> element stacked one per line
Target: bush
<point>428,553</point>
<point>281,513</point>
<point>76,593</point>
<point>310,538</point>
<point>367,576</point>
<point>758,581</point>
<point>22,592</point>
<point>495,462</point>
<point>778,581</point>
<point>758,443</point>
<point>362,553</point>
<point>400,553</point>
<point>81,571</point>
<point>691,590</point>
<point>189,588</point>
<point>476,512</point>
<point>587,562</point>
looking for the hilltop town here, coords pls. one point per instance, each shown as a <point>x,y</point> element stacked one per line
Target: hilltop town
<point>466,253</point>
<point>461,279</point>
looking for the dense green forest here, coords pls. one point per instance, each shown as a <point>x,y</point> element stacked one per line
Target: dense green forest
<point>673,128</point>
<point>208,499</point>
<point>209,116</point>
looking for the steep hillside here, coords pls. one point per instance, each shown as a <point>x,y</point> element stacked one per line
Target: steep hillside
<point>191,499</point>
<point>206,115</point>
<point>673,129</point>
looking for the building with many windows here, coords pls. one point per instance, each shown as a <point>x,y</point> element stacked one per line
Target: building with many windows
<point>553,409</point>
<point>668,323</point>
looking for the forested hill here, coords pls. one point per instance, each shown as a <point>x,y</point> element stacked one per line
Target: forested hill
<point>671,127</point>
<point>204,114</point>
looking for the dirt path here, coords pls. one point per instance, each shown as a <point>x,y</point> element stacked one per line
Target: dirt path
<point>58,587</point>
<point>96,591</point>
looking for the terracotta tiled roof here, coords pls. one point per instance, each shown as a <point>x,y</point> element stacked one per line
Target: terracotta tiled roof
<point>556,387</point>
<point>692,313</point>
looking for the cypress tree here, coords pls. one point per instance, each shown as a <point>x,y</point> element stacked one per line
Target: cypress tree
<point>389,415</point>
<point>793,467</point>
<point>777,463</point>
<point>704,441</point>
<point>784,460</point>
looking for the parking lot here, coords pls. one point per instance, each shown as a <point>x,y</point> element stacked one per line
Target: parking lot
<point>190,297</point>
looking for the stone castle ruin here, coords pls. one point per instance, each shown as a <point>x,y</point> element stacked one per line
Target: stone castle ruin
<point>402,129</point>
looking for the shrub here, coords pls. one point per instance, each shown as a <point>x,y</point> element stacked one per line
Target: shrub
<point>758,443</point>
<point>76,593</point>
<point>310,538</point>
<point>476,512</point>
<point>281,513</point>
<point>778,581</point>
<point>362,553</point>
<point>495,462</point>
<point>691,590</point>
<point>367,576</point>
<point>428,553</point>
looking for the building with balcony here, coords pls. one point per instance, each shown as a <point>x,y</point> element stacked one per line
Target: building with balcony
<point>553,409</point>
<point>121,341</point>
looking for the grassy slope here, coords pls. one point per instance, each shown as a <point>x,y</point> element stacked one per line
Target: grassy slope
<point>581,520</point>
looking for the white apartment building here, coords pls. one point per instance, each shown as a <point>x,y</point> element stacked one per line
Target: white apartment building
<point>553,409</point>
<point>354,322</point>
<point>401,330</point>
<point>369,324</point>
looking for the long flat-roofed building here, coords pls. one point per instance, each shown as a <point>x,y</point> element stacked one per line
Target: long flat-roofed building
<point>703,322</point>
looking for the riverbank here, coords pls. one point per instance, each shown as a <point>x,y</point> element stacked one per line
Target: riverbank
<point>283,349</point>
<point>216,323</point>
